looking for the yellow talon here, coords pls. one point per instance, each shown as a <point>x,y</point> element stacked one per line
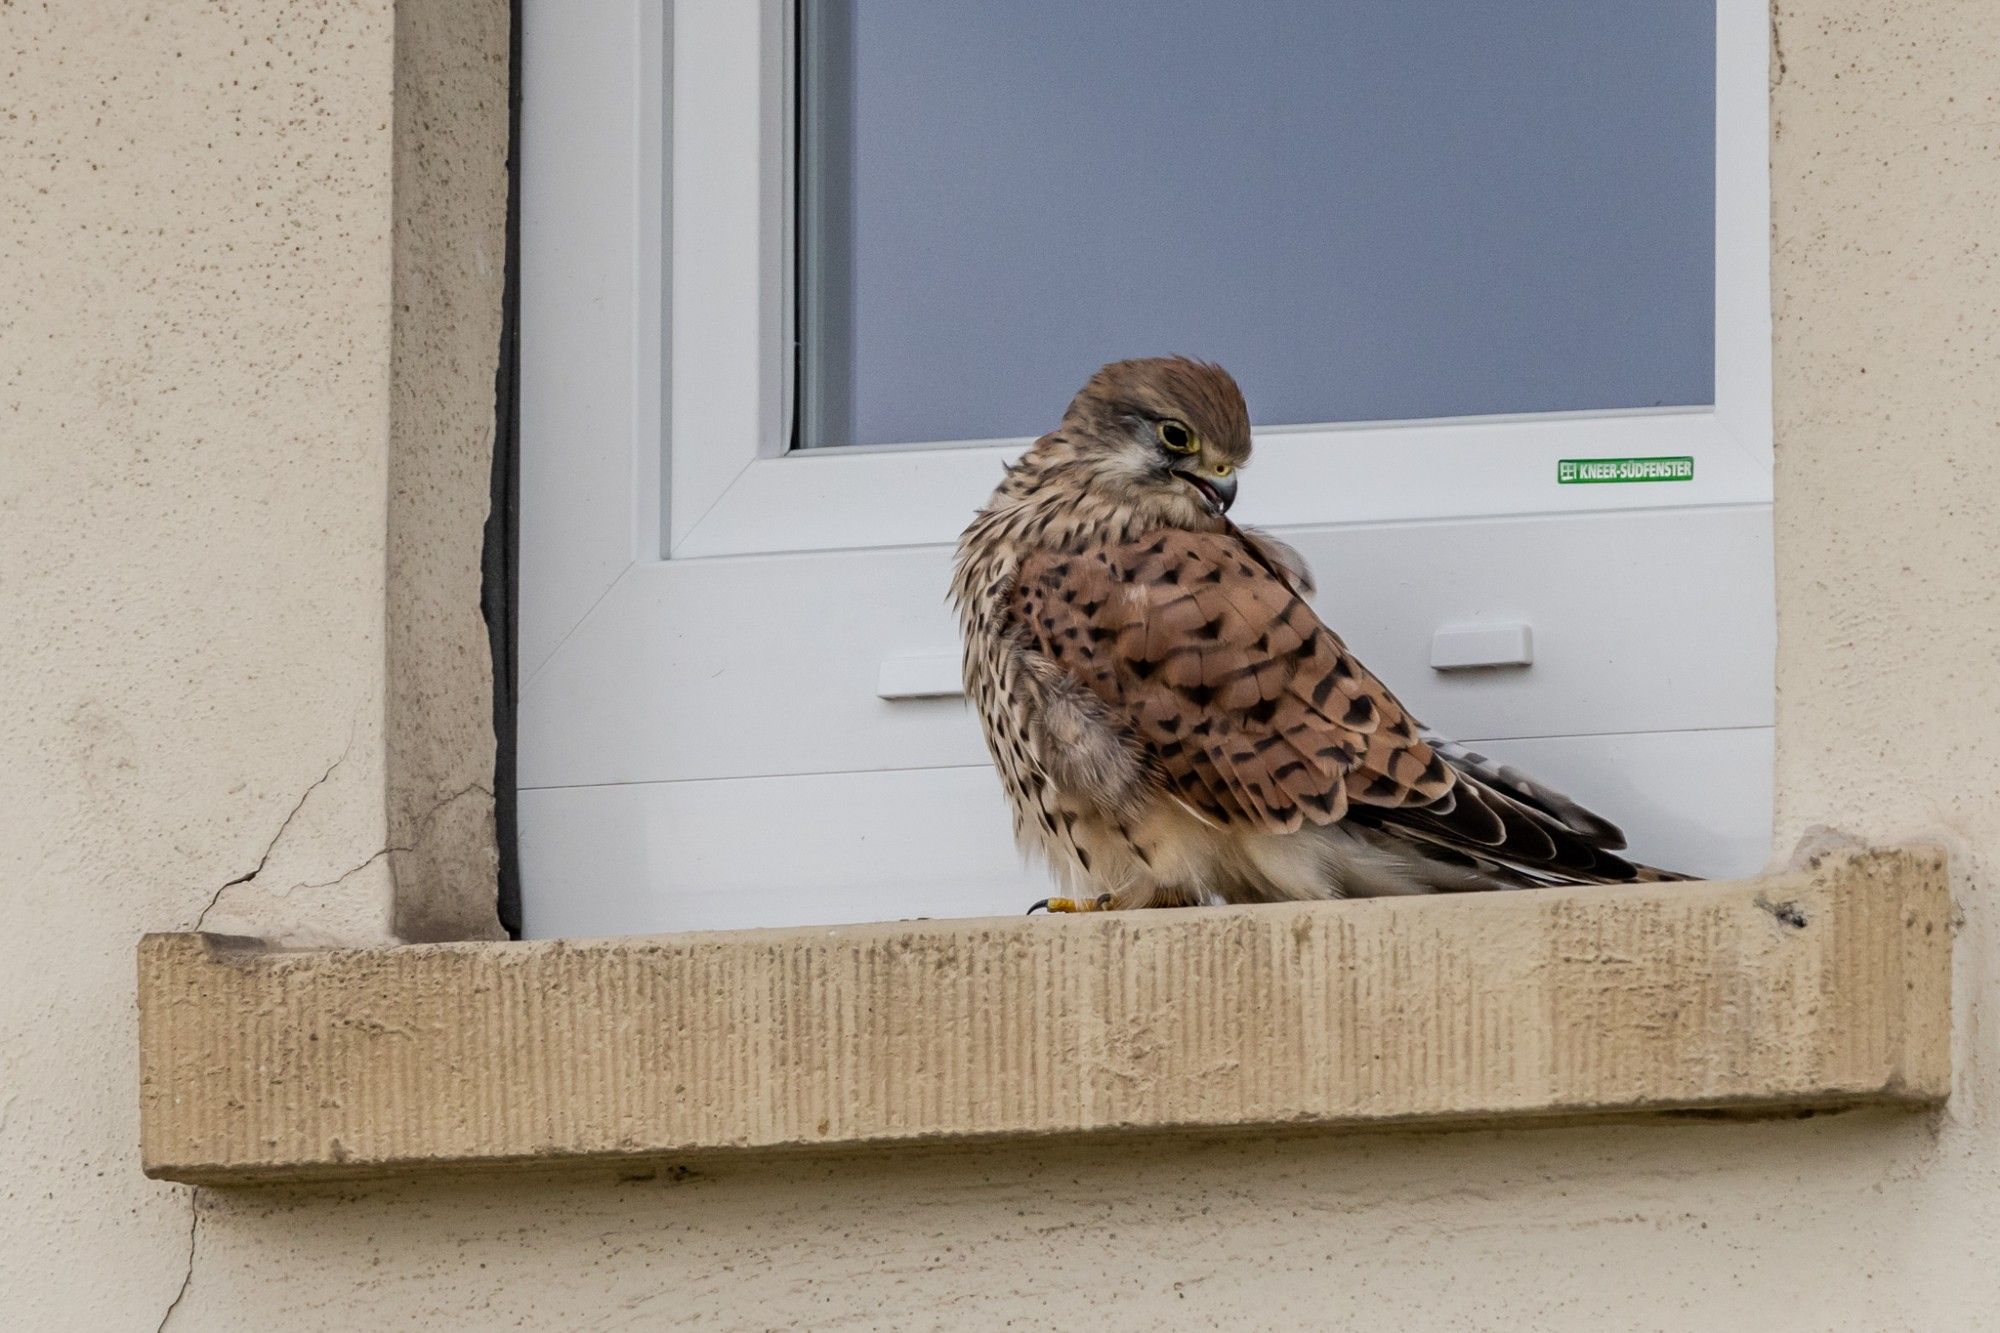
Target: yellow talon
<point>1101,903</point>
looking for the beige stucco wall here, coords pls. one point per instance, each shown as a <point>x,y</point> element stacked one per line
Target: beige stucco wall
<point>194,338</point>
<point>199,362</point>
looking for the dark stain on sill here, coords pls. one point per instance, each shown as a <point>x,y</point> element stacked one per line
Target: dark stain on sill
<point>1785,913</point>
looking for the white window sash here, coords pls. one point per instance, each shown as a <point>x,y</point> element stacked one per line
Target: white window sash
<point>736,489</point>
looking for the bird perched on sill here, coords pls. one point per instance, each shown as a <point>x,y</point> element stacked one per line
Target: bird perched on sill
<point>1172,721</point>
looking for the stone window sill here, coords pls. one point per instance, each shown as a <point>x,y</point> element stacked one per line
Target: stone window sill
<point>1827,987</point>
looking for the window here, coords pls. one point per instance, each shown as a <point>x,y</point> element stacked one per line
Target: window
<point>796,280</point>
<point>1374,213</point>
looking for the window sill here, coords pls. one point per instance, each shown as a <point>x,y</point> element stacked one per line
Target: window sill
<point>1821,988</point>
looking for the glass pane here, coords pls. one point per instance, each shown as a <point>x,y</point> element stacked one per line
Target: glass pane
<point>1367,211</point>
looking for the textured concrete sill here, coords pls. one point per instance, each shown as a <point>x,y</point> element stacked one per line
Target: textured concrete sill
<point>1823,988</point>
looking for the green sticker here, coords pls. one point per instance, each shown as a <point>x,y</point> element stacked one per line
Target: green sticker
<point>1585,471</point>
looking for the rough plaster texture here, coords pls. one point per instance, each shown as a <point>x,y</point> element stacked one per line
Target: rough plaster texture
<point>194,336</point>
<point>1825,987</point>
<point>450,246</point>
<point>194,405</point>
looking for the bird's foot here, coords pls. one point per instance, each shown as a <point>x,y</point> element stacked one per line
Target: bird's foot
<point>1101,903</point>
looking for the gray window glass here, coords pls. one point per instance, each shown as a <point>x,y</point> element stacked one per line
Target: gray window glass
<point>1367,211</point>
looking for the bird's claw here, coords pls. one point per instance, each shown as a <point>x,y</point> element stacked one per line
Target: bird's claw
<point>1101,903</point>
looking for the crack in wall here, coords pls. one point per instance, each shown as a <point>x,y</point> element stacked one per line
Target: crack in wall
<point>443,880</point>
<point>348,874</point>
<point>438,807</point>
<point>187,1275</point>
<point>202,917</point>
<point>420,824</point>
<point>424,820</point>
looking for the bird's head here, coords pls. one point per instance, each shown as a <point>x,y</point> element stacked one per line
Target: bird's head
<point>1165,433</point>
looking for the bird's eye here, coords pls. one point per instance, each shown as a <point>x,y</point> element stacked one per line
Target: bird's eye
<point>1177,437</point>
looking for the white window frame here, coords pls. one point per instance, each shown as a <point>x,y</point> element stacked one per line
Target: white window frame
<point>716,372</point>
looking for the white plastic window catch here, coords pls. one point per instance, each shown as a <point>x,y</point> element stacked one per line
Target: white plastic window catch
<point>1466,647</point>
<point>934,676</point>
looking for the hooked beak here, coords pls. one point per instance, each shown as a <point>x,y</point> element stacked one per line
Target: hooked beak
<point>1219,492</point>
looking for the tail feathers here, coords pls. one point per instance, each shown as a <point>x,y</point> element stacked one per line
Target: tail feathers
<point>1512,782</point>
<point>1546,838</point>
<point>1480,837</point>
<point>1492,872</point>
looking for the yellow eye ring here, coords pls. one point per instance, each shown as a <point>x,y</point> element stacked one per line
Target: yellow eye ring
<point>1176,438</point>
<point>1224,469</point>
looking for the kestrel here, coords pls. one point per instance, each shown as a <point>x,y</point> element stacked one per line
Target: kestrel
<point>1173,722</point>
